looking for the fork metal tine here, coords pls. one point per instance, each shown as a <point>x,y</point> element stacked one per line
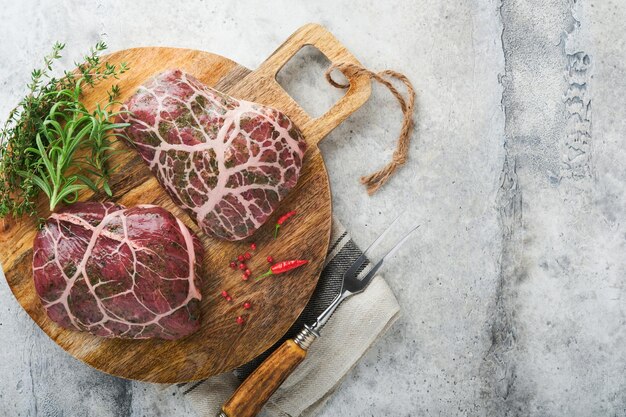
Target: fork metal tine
<point>353,269</point>
<point>353,284</point>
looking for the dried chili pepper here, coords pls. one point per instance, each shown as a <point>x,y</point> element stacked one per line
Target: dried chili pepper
<point>282,267</point>
<point>282,220</point>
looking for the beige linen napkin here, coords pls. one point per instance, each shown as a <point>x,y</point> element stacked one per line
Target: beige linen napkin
<point>354,327</point>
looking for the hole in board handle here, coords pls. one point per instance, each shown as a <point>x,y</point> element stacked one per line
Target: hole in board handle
<point>302,77</point>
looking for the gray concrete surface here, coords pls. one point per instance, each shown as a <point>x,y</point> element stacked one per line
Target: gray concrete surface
<point>513,296</point>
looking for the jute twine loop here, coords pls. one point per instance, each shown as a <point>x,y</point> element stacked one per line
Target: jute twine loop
<point>374,181</point>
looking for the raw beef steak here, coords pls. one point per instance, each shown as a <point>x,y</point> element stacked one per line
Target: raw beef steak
<point>119,272</point>
<point>227,162</point>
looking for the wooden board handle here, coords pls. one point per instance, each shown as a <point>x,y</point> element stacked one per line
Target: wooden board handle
<point>253,393</point>
<point>315,129</point>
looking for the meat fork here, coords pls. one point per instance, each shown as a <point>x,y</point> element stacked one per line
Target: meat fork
<point>253,393</point>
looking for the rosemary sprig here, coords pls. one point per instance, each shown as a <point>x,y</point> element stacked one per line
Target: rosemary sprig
<point>41,136</point>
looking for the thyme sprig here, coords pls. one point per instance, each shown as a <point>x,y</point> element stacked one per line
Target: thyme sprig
<point>42,135</point>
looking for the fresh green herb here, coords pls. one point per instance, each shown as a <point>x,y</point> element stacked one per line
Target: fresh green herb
<point>41,137</point>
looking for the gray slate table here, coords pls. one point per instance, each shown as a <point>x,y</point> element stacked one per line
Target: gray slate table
<point>513,296</point>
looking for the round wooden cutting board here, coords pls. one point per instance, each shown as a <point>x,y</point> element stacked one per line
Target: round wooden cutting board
<point>221,344</point>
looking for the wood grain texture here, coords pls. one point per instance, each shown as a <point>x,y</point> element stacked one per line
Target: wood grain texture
<point>254,392</point>
<point>221,344</point>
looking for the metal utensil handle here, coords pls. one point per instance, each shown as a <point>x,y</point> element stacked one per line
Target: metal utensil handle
<point>256,390</point>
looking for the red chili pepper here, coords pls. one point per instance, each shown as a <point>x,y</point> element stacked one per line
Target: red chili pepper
<point>282,220</point>
<point>283,266</point>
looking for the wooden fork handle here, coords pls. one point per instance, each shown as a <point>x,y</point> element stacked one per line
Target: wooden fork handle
<point>256,390</point>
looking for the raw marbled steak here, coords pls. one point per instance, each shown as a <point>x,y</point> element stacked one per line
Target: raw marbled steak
<point>227,162</point>
<point>119,272</point>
